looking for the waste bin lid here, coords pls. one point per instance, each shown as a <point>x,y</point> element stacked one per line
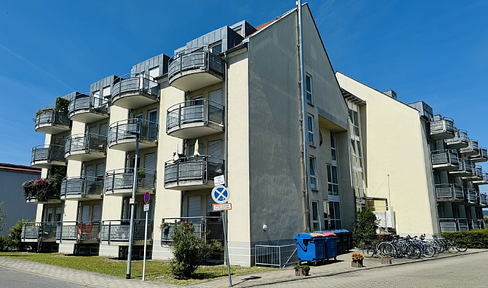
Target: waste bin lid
<point>316,235</point>
<point>329,234</point>
<point>308,236</point>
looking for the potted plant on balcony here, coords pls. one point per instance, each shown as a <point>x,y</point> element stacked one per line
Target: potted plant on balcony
<point>141,174</point>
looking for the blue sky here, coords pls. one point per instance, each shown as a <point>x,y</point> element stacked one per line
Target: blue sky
<point>435,51</point>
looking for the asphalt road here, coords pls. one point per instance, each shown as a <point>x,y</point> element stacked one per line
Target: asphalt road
<point>17,279</point>
<point>464,271</point>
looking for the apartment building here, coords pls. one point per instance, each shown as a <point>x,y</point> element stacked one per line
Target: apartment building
<point>417,171</point>
<point>226,103</point>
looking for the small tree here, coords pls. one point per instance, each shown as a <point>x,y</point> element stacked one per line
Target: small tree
<point>189,250</point>
<point>2,217</point>
<point>364,230</point>
<point>15,234</point>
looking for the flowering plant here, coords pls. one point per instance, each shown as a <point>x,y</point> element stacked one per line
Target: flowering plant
<point>357,257</point>
<point>164,225</point>
<point>40,189</point>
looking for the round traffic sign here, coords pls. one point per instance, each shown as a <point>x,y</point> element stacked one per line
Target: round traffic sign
<point>147,196</point>
<point>220,194</point>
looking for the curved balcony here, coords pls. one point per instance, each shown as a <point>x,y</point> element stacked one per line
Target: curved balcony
<point>190,173</point>
<point>86,109</point>
<point>477,173</point>
<point>449,192</point>
<point>85,147</point>
<point>122,134</point>
<point>52,121</point>
<point>472,148</point>
<point>195,70</point>
<point>116,232</point>
<point>194,119</point>
<point>44,156</point>
<point>444,160</point>
<point>483,180</point>
<point>81,188</point>
<point>35,231</point>
<point>133,92</point>
<point>119,182</point>
<point>483,200</point>
<point>82,233</point>
<point>481,156</point>
<point>460,140</point>
<point>465,169</point>
<point>441,128</point>
<point>472,196</point>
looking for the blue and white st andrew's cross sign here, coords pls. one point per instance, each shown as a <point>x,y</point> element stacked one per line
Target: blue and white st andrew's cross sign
<point>220,194</point>
<point>147,196</point>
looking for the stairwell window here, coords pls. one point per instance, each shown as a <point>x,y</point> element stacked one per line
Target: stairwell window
<point>313,174</point>
<point>315,216</point>
<point>308,89</point>
<point>333,184</point>
<point>310,130</point>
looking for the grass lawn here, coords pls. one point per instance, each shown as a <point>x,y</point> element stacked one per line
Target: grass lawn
<point>158,271</point>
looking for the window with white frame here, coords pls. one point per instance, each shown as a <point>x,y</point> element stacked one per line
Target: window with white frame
<point>332,183</point>
<point>334,215</point>
<point>315,216</point>
<point>333,148</point>
<point>308,89</point>
<point>310,130</point>
<point>313,173</point>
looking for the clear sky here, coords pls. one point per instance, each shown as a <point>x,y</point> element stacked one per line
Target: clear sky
<point>435,51</point>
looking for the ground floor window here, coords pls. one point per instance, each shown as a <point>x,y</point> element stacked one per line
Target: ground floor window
<point>332,215</point>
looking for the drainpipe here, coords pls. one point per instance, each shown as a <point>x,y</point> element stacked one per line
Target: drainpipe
<point>304,128</point>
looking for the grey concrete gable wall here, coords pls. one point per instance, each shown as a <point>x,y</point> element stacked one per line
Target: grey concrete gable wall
<point>327,95</point>
<point>99,85</point>
<point>275,178</point>
<point>160,60</point>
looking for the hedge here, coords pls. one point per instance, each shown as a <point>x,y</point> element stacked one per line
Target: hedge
<point>472,239</point>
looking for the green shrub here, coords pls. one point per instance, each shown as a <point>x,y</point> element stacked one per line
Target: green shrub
<point>364,229</point>
<point>470,239</point>
<point>189,250</point>
<point>4,243</point>
<point>15,234</point>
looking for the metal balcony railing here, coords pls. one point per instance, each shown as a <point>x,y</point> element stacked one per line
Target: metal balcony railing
<point>201,169</point>
<point>134,85</point>
<point>476,224</point>
<point>123,179</point>
<point>80,187</point>
<point>442,127</point>
<point>201,60</point>
<point>453,224</point>
<point>472,196</point>
<point>45,231</point>
<point>207,227</point>
<point>194,111</point>
<point>472,147</point>
<point>449,192</point>
<point>47,153</point>
<point>442,158</point>
<point>460,139</point>
<point>118,230</point>
<point>481,156</point>
<point>51,117</point>
<point>78,231</point>
<point>126,130</point>
<point>85,103</point>
<point>85,143</point>
<point>483,200</point>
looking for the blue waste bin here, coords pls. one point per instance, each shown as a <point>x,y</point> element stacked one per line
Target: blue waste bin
<point>310,247</point>
<point>330,245</point>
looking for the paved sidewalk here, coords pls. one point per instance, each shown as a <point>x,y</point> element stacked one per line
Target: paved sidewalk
<point>91,279</point>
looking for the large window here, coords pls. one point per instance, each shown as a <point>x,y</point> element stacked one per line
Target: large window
<point>315,216</point>
<point>313,173</point>
<point>310,130</point>
<point>308,88</point>
<point>332,183</point>
<point>332,215</point>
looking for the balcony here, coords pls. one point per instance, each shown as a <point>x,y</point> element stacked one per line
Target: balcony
<point>35,231</point>
<point>444,160</point>
<point>471,150</point>
<point>191,173</point>
<point>460,140</point>
<point>82,233</point>
<point>44,156</point>
<point>119,182</point>
<point>441,128</point>
<point>122,134</point>
<point>483,180</point>
<point>132,92</point>
<point>477,174</point>
<point>86,109</point>
<point>483,200</point>
<point>195,70</point>
<point>453,224</point>
<point>476,224</point>
<point>449,192</point>
<point>472,196</point>
<point>85,147</point>
<point>481,156</point>
<point>81,188</point>
<point>52,121</point>
<point>116,232</point>
<point>194,119</point>
<point>465,169</point>
<point>208,227</point>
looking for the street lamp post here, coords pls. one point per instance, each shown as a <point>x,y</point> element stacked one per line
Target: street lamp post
<point>132,207</point>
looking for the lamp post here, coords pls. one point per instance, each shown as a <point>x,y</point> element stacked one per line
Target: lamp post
<point>132,207</point>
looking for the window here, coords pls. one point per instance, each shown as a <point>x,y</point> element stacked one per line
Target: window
<point>333,147</point>
<point>332,183</point>
<point>332,215</point>
<point>106,94</point>
<point>97,100</point>
<point>313,174</point>
<point>315,216</point>
<point>216,48</point>
<point>310,130</point>
<point>308,88</point>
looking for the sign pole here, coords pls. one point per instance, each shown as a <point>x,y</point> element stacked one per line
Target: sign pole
<point>145,244</point>
<point>220,194</point>
<point>226,247</point>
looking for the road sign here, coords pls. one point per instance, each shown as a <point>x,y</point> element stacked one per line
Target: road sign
<point>221,207</point>
<point>147,196</point>
<point>146,207</point>
<point>132,201</point>
<point>219,180</point>
<point>220,194</point>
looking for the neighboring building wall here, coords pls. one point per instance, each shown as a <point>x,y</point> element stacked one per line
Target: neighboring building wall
<point>11,194</point>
